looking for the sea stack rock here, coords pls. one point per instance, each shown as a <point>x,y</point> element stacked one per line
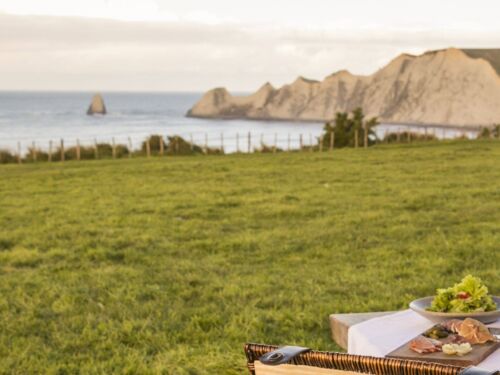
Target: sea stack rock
<point>97,106</point>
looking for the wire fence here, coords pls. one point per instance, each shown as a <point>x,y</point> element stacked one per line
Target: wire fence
<point>229,142</point>
<point>203,143</point>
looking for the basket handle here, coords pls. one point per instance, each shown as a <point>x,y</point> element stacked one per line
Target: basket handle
<point>285,355</point>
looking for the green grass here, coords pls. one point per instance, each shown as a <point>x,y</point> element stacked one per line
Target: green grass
<point>170,265</point>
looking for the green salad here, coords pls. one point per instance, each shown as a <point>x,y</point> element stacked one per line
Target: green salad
<point>469,295</point>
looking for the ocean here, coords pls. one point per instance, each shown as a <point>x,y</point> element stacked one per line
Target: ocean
<point>41,117</point>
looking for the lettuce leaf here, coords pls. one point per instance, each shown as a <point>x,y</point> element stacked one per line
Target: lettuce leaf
<point>469,295</point>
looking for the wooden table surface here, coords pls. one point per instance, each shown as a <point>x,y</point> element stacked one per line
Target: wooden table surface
<point>340,324</point>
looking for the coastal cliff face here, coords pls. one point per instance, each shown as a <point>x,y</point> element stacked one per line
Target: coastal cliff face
<point>440,87</point>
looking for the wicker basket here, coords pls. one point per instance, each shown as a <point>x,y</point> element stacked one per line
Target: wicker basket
<point>349,363</point>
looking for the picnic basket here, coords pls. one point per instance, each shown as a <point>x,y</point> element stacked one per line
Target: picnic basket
<point>312,362</point>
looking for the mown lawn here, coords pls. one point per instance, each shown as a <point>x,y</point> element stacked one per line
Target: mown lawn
<point>170,265</point>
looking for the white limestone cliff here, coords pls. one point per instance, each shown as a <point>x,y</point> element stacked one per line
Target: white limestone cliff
<point>439,87</point>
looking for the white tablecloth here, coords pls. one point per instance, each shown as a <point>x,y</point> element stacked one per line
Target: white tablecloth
<point>380,336</point>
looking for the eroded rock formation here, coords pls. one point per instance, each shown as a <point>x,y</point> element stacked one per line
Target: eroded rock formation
<point>450,86</point>
<point>97,106</point>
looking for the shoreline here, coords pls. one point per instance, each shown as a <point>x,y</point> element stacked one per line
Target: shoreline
<point>471,128</point>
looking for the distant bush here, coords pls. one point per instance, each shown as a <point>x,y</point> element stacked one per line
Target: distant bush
<point>35,154</point>
<point>490,132</point>
<point>267,149</point>
<point>406,136</point>
<point>155,143</point>
<point>214,151</point>
<point>175,145</point>
<point>104,151</point>
<point>345,127</point>
<point>86,153</point>
<point>7,157</point>
<point>179,146</point>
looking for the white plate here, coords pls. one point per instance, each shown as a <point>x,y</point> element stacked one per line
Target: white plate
<point>420,306</point>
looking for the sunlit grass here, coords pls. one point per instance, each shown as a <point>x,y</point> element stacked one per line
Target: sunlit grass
<point>169,265</point>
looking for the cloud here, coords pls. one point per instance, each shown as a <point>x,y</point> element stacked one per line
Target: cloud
<point>71,53</point>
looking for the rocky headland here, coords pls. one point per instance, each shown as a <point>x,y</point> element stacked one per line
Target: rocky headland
<point>447,87</point>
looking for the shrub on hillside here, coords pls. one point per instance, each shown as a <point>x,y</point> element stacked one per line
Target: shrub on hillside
<point>175,145</point>
<point>493,132</point>
<point>267,149</point>
<point>155,143</point>
<point>407,136</point>
<point>7,157</point>
<point>104,151</point>
<point>345,127</point>
<point>179,146</point>
<point>35,154</point>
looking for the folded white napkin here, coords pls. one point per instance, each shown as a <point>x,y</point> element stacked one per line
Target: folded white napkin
<point>380,336</point>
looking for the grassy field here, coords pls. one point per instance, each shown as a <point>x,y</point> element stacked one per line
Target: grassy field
<point>167,266</point>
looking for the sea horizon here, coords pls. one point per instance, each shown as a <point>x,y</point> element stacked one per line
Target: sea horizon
<point>44,116</point>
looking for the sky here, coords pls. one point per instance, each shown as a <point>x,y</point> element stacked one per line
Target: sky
<point>194,45</point>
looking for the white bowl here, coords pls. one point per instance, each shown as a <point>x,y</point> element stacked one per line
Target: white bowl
<point>420,306</point>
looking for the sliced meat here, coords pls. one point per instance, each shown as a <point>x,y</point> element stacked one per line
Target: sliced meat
<point>424,344</point>
<point>454,339</point>
<point>452,325</point>
<point>475,332</point>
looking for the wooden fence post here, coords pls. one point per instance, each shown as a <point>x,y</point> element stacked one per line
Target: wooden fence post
<point>332,140</point>
<point>261,142</point>
<point>63,157</point>
<point>77,149</point>
<point>34,151</point>
<point>288,142</point>
<point>301,142</point>
<point>238,143</point>
<point>365,136</point>
<point>222,142</point>
<point>96,149</point>
<point>275,142</point>
<point>129,147</point>
<point>113,148</point>
<point>19,152</point>
<point>356,138</point>
<point>161,145</point>
<point>148,148</point>
<point>50,151</point>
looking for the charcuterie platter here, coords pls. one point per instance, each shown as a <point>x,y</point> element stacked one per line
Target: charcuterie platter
<point>459,343</point>
<point>460,336</point>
